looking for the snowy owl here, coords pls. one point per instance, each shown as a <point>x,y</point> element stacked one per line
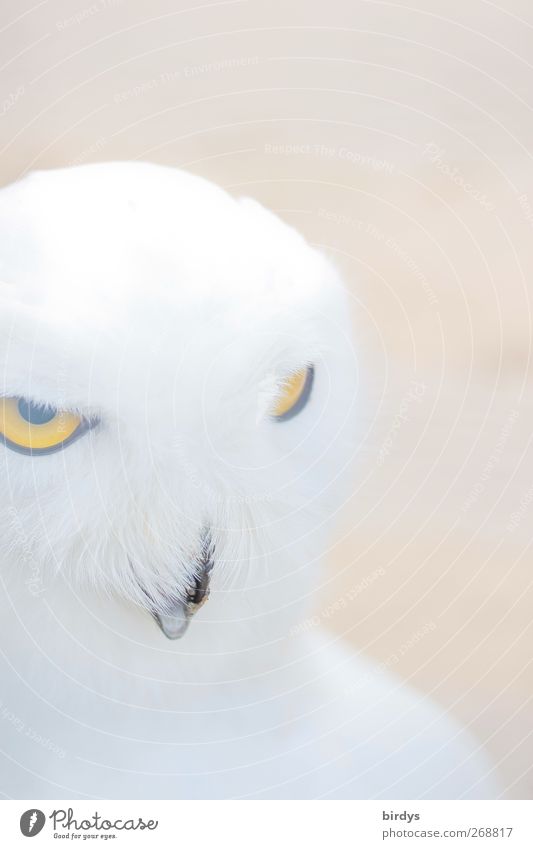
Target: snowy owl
<point>178,415</point>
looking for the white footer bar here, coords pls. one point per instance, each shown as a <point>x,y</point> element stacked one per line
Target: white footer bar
<point>268,825</point>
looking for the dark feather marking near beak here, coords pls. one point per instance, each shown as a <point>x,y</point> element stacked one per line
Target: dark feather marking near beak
<point>175,621</point>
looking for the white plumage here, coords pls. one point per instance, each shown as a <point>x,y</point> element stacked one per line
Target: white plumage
<point>169,315</point>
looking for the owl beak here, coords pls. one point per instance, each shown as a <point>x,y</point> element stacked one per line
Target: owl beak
<point>175,621</point>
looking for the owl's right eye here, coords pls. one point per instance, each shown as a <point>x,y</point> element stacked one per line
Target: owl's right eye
<point>32,428</point>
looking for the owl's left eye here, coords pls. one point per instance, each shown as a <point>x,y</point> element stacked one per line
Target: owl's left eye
<point>32,428</point>
<point>294,394</point>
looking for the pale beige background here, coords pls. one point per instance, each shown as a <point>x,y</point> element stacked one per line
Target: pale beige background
<point>398,136</point>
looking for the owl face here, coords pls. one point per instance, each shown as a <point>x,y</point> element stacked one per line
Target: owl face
<point>177,383</point>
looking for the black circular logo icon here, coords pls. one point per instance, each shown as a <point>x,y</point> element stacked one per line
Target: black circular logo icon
<point>32,822</point>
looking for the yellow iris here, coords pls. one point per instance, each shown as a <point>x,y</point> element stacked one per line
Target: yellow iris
<point>32,427</point>
<point>293,394</point>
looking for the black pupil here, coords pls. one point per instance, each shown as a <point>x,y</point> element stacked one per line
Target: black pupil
<point>36,414</point>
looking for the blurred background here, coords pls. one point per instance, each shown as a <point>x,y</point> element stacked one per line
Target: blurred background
<point>398,138</point>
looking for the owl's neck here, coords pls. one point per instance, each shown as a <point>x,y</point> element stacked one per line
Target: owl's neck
<point>240,630</point>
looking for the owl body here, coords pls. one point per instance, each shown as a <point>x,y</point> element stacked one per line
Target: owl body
<point>153,333</point>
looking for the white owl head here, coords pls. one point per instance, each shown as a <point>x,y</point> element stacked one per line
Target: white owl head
<point>176,367</point>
